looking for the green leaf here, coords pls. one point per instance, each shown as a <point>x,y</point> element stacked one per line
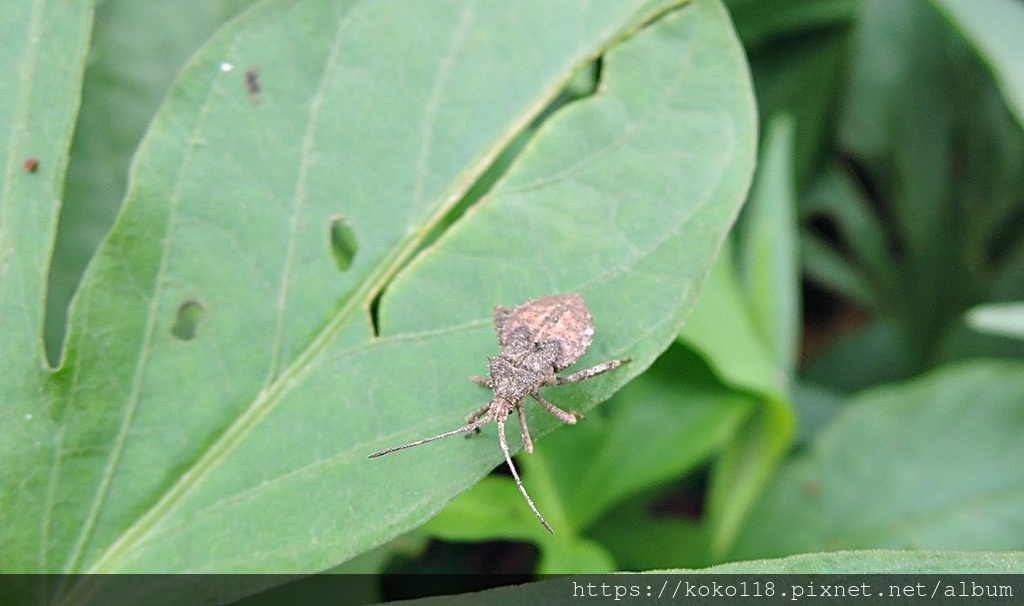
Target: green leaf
<point>44,53</point>
<point>878,70</point>
<point>759,22</point>
<point>828,268</point>
<point>664,424</point>
<point>863,269</point>
<point>643,538</point>
<point>44,48</point>
<point>884,561</point>
<point>492,509</point>
<point>815,407</point>
<point>930,464</point>
<point>802,76</point>
<point>902,122</point>
<point>743,471</point>
<point>768,258</point>
<point>993,27</point>
<point>132,64</point>
<point>579,556</point>
<point>998,318</point>
<point>871,355</point>
<point>722,330</point>
<point>239,444</point>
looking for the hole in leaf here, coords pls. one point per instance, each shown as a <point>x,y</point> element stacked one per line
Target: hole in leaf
<point>375,313</point>
<point>187,320</point>
<point>343,243</point>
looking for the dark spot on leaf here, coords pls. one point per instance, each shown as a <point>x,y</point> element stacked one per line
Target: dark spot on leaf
<point>253,85</point>
<point>187,320</point>
<point>343,243</point>
<point>31,165</point>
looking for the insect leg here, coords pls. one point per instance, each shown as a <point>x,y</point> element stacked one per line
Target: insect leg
<point>593,371</point>
<point>527,442</point>
<point>478,413</point>
<point>485,381</point>
<point>566,417</point>
<point>475,416</point>
<point>515,474</point>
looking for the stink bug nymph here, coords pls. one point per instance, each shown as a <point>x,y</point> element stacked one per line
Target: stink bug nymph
<point>537,340</point>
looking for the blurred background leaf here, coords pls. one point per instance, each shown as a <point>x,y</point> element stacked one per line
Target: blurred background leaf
<point>911,466</point>
<point>1005,319</point>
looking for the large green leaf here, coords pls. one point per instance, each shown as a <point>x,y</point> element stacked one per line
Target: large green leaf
<point>224,376</point>
<point>931,464</point>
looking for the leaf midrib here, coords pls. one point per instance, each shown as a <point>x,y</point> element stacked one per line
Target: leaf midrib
<point>358,302</point>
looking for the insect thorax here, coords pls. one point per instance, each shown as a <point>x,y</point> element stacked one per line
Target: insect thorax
<point>518,372</point>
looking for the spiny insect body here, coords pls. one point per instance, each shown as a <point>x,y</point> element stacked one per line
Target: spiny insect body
<point>538,339</point>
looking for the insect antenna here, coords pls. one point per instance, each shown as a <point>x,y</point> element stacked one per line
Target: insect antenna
<point>468,427</point>
<point>515,474</point>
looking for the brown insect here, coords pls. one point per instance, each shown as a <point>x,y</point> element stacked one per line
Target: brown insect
<point>537,340</point>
